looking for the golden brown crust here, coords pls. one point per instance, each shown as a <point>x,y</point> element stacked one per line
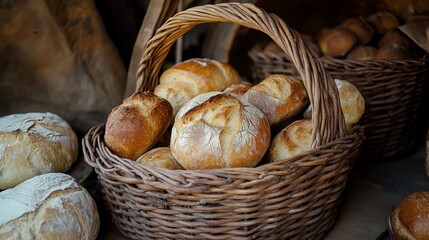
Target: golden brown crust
<point>337,42</point>
<point>32,144</point>
<point>279,97</point>
<point>410,218</point>
<point>159,157</point>
<point>363,31</point>
<point>185,80</point>
<point>238,88</point>
<point>362,53</point>
<point>135,126</point>
<point>293,140</point>
<point>219,130</point>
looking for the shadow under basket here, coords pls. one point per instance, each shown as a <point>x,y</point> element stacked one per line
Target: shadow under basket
<point>393,92</point>
<point>295,198</point>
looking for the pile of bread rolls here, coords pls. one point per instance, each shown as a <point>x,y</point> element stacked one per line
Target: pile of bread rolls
<point>39,200</point>
<point>202,116</point>
<point>362,38</point>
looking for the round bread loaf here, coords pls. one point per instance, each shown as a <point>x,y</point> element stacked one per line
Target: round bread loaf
<point>279,97</point>
<point>293,140</point>
<point>410,218</point>
<point>133,127</point>
<point>238,88</point>
<point>219,130</point>
<point>159,157</point>
<point>48,206</point>
<point>32,144</point>
<point>351,101</point>
<point>185,80</point>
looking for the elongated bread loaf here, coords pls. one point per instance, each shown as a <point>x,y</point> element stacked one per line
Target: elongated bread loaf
<point>219,130</point>
<point>32,144</point>
<point>48,206</point>
<point>183,81</point>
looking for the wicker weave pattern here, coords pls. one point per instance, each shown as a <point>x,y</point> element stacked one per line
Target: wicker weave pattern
<point>393,92</point>
<point>291,199</point>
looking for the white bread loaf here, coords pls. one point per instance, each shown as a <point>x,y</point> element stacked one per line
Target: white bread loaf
<point>351,101</point>
<point>48,206</point>
<point>279,97</point>
<point>219,130</point>
<point>183,81</point>
<point>409,219</point>
<point>32,144</point>
<point>293,140</point>
<point>159,157</point>
<point>133,127</point>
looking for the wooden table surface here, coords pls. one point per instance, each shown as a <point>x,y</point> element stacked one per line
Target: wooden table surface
<point>371,193</point>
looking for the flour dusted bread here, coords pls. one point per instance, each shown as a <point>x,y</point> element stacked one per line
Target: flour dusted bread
<point>410,218</point>
<point>48,206</point>
<point>185,80</point>
<point>279,97</point>
<point>32,144</point>
<point>219,130</point>
<point>293,140</point>
<point>133,127</point>
<point>159,157</point>
<point>351,101</point>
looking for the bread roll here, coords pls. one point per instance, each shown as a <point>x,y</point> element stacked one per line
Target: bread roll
<point>393,52</point>
<point>362,53</point>
<point>383,21</point>
<point>238,88</point>
<point>32,144</point>
<point>351,101</point>
<point>410,218</point>
<point>159,157</point>
<point>337,42</point>
<point>293,140</point>
<point>363,31</point>
<point>279,97</point>
<point>219,130</point>
<point>133,127</point>
<point>48,206</point>
<point>183,81</point>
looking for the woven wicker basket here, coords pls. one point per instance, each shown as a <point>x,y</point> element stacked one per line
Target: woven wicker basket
<point>295,198</point>
<point>393,92</point>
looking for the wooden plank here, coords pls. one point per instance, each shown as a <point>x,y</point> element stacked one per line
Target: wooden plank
<point>157,13</point>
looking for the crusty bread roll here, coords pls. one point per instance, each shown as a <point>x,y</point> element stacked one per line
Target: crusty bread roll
<point>48,206</point>
<point>293,140</point>
<point>32,144</point>
<point>410,218</point>
<point>351,101</point>
<point>133,127</point>
<point>279,97</point>
<point>219,130</point>
<point>183,81</point>
<point>159,157</point>
<point>363,30</point>
<point>238,88</point>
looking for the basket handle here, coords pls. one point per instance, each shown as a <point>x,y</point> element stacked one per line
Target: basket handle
<point>328,119</point>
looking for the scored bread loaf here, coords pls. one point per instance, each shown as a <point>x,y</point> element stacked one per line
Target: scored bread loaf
<point>238,88</point>
<point>219,130</point>
<point>293,140</point>
<point>351,100</point>
<point>410,218</point>
<point>279,97</point>
<point>185,80</point>
<point>48,206</point>
<point>159,157</point>
<point>133,127</point>
<point>32,144</point>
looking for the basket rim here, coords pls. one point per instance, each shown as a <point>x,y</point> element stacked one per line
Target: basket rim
<point>356,133</point>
